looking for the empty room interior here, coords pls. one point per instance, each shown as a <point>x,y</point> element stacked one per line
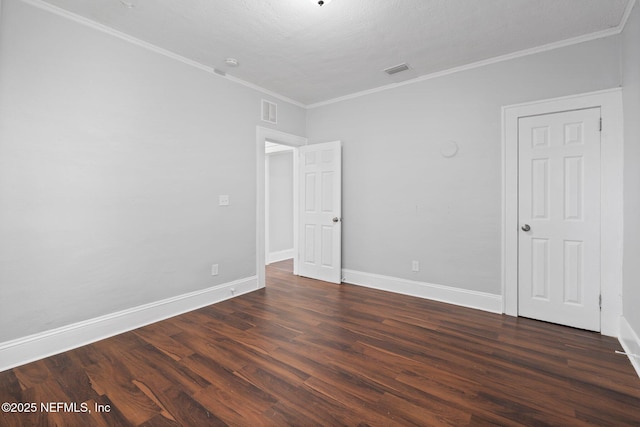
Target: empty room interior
<point>302,212</point>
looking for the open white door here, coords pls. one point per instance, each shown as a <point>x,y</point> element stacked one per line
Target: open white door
<point>320,211</point>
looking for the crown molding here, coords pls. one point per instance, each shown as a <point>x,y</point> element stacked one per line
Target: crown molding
<point>625,16</point>
<point>478,64</point>
<point>519,54</point>
<point>149,46</point>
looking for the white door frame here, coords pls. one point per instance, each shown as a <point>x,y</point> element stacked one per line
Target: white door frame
<point>262,134</point>
<point>611,229</point>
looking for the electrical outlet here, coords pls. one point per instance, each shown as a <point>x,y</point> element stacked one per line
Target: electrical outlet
<point>223,200</point>
<point>214,270</point>
<point>415,265</point>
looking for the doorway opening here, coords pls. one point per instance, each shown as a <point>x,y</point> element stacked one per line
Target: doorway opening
<point>279,202</point>
<point>264,136</point>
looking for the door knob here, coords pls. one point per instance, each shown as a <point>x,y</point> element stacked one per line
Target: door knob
<point>335,219</point>
<point>526,227</point>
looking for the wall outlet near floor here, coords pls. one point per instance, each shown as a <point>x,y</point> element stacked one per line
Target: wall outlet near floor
<point>415,265</point>
<point>223,200</point>
<point>214,270</point>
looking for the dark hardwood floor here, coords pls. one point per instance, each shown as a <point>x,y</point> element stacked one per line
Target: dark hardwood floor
<point>305,353</point>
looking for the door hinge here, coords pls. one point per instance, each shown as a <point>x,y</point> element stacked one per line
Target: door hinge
<point>600,124</point>
<point>600,301</point>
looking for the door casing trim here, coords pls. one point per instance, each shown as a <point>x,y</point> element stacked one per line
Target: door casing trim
<point>611,206</point>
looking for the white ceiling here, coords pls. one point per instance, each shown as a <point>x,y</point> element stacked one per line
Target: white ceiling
<point>311,54</point>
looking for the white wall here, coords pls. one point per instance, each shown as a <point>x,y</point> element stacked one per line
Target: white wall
<point>112,158</point>
<point>403,201</point>
<point>631,97</point>
<point>280,195</point>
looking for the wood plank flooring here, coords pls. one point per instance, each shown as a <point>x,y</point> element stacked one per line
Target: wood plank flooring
<point>309,353</point>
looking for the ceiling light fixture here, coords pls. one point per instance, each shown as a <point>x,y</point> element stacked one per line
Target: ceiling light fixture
<point>231,62</point>
<point>321,2</point>
<point>127,4</point>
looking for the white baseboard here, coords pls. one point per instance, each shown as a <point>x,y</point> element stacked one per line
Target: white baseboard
<point>37,346</point>
<point>279,256</point>
<point>630,343</point>
<point>448,294</point>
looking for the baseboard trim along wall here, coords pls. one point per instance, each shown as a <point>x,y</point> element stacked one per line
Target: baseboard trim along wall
<point>279,256</point>
<point>447,294</point>
<point>37,346</point>
<point>630,343</point>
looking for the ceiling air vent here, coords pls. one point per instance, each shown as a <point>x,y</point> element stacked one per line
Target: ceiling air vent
<point>269,112</point>
<point>396,69</point>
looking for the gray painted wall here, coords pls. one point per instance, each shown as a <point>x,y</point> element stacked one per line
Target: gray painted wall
<point>403,201</point>
<point>280,201</point>
<point>631,97</point>
<point>112,158</point>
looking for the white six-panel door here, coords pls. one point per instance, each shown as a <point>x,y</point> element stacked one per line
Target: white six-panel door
<point>559,218</point>
<point>320,211</point>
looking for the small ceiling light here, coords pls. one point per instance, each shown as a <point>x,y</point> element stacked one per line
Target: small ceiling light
<point>127,4</point>
<point>231,62</point>
<point>321,2</point>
